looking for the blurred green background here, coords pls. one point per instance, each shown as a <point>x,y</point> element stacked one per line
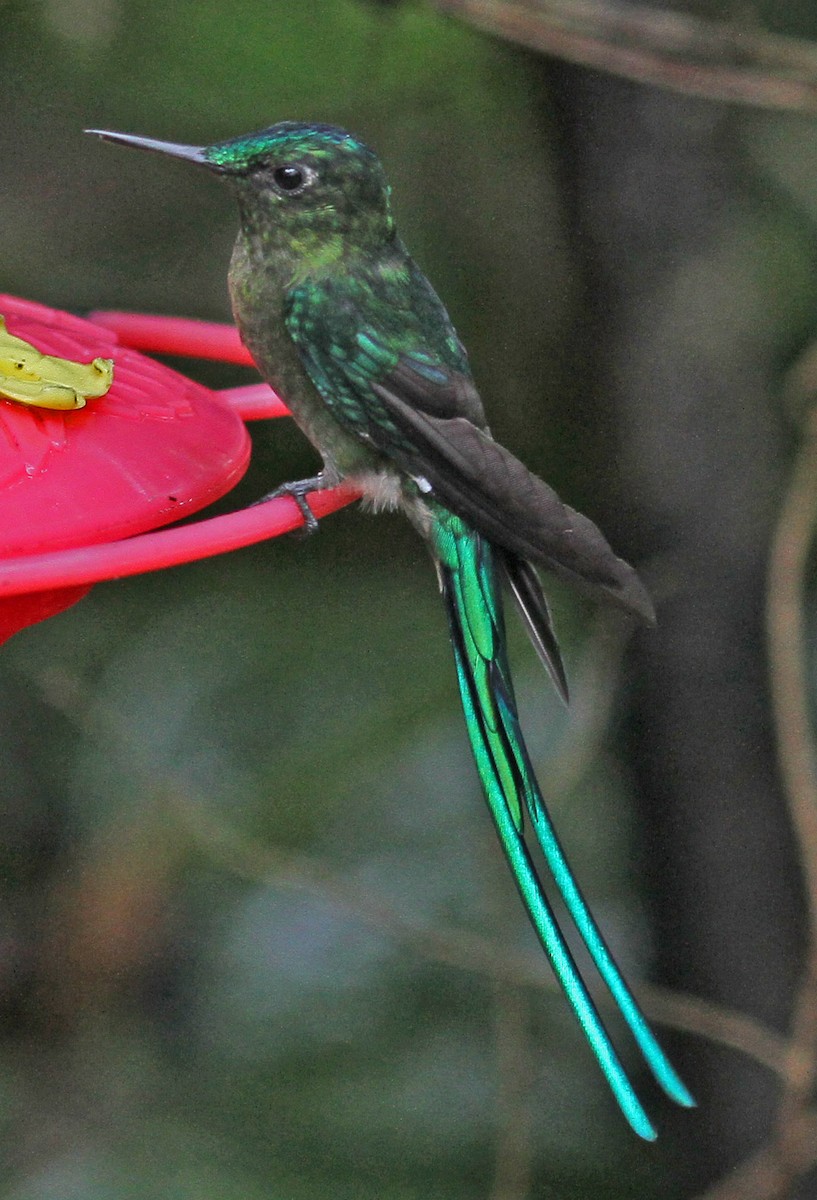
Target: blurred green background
<point>238,818</point>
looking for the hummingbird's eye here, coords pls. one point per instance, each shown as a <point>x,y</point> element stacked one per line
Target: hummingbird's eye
<point>290,179</point>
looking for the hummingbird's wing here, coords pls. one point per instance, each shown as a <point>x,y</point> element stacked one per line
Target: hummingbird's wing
<point>485,484</point>
<point>390,368</point>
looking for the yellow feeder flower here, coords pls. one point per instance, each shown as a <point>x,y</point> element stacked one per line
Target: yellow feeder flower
<point>45,381</point>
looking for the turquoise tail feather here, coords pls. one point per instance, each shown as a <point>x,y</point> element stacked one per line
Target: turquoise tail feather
<point>472,592</point>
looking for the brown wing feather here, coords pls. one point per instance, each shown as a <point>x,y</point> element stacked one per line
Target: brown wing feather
<point>483,483</point>
<point>533,609</point>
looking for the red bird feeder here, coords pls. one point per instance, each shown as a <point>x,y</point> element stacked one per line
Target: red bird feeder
<point>79,490</point>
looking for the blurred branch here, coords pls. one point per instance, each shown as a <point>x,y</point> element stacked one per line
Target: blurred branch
<point>761,1175</point>
<point>788,655</point>
<point>772,1172</point>
<point>459,948</point>
<point>788,659</point>
<point>715,60</point>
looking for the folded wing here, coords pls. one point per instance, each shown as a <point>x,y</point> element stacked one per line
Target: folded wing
<point>486,485</point>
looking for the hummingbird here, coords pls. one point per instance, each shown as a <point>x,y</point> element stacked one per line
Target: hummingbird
<point>344,325</point>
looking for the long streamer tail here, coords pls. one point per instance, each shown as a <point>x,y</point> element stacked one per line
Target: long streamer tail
<point>471,586</point>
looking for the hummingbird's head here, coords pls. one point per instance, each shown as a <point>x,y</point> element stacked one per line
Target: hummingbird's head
<point>316,185</point>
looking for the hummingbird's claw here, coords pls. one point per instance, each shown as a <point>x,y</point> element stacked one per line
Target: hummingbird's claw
<point>298,490</point>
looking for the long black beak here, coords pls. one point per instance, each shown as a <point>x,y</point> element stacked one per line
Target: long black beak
<point>174,149</point>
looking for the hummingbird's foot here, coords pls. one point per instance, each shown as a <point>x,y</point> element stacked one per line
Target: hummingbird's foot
<point>298,490</point>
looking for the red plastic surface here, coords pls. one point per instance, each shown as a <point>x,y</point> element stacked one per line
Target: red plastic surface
<point>156,446</point>
<point>254,402</point>
<point>166,547</point>
<point>18,612</point>
<point>175,335</point>
<point>183,336</point>
<point>75,487</point>
<point>154,449</point>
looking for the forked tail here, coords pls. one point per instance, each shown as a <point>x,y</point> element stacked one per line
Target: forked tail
<point>471,588</point>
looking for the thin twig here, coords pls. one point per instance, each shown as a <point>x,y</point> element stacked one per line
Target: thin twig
<point>761,1176</point>
<point>718,1024</point>
<point>457,948</point>
<point>788,655</point>
<point>773,1170</point>
<point>715,60</point>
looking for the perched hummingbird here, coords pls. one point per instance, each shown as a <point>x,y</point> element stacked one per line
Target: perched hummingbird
<point>343,324</point>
